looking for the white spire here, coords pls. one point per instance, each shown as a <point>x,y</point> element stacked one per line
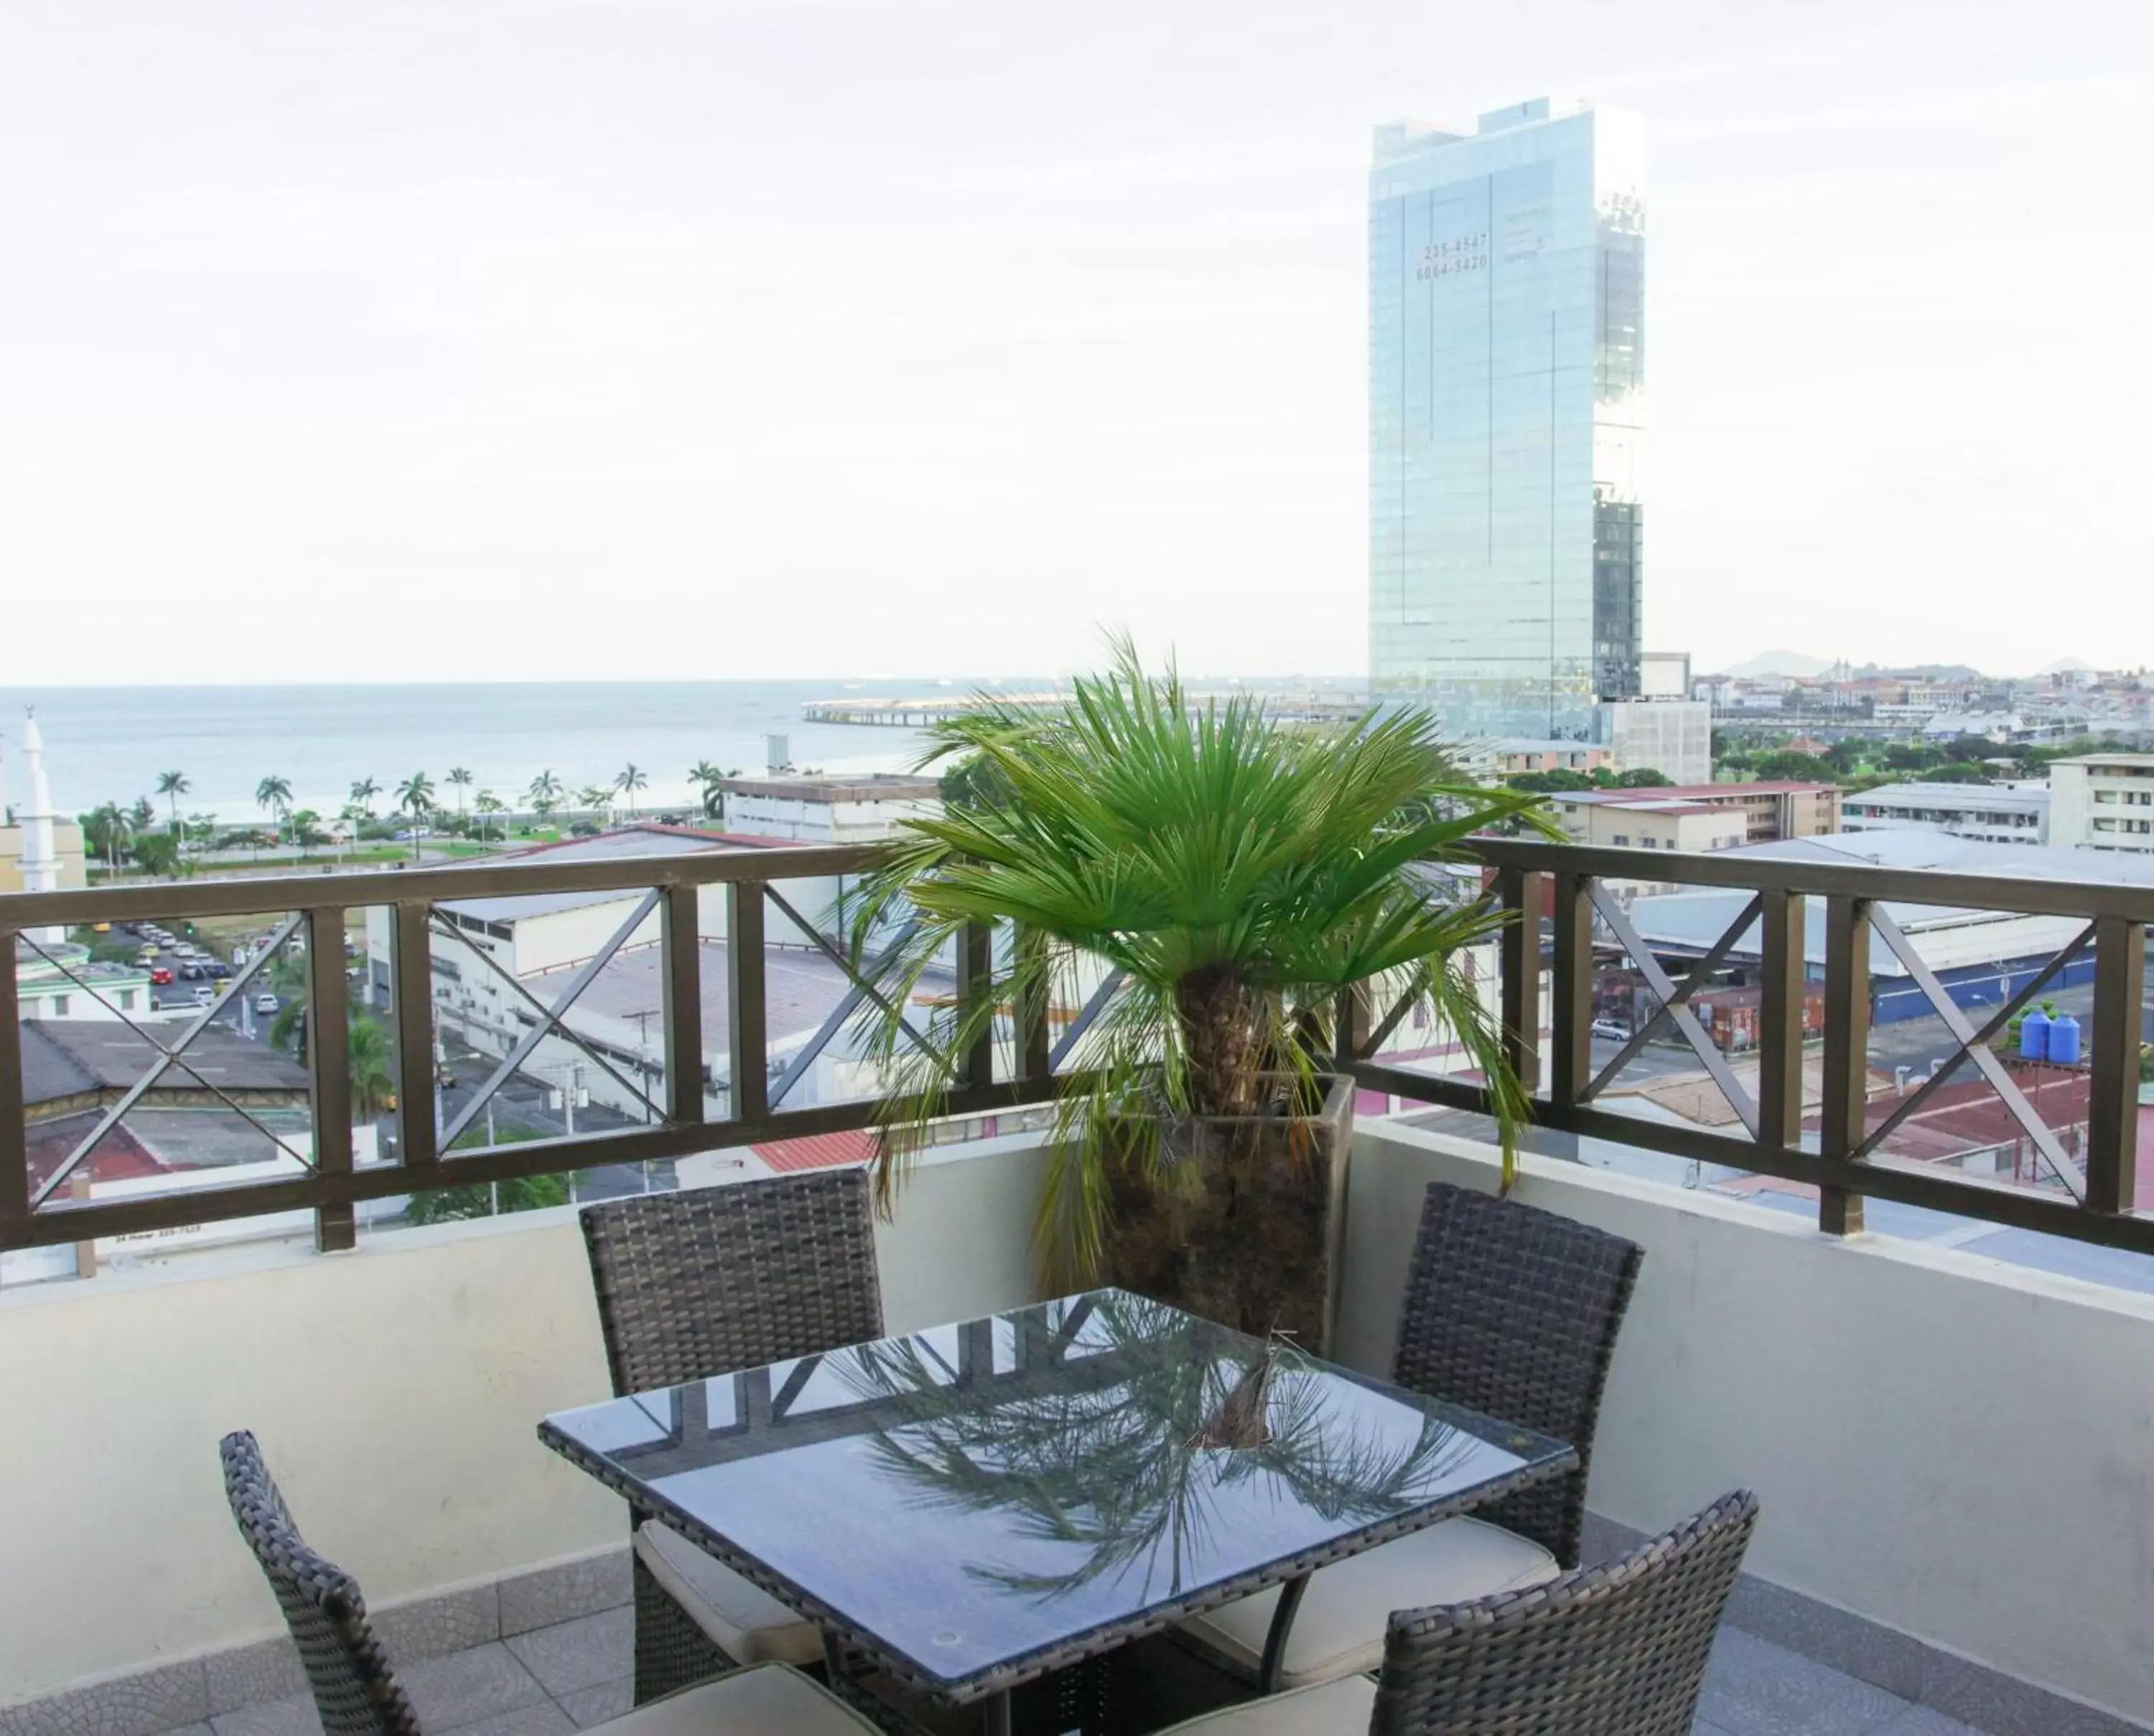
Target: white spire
<point>40,859</point>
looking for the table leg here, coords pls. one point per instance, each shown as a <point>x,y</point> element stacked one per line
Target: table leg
<point>1274,1662</point>
<point>996,1714</point>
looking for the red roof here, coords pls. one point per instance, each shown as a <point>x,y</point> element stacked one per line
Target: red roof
<point>819,1151</point>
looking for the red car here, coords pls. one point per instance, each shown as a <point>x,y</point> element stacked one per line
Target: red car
<point>160,976</point>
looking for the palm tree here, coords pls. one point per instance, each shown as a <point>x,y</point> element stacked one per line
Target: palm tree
<point>459,779</point>
<point>629,781</point>
<point>597,800</point>
<point>1240,872</point>
<point>172,785</point>
<point>142,815</point>
<point>708,778</point>
<point>352,814</point>
<point>274,794</point>
<point>371,1081</point>
<point>363,792</point>
<point>108,828</point>
<point>544,792</point>
<point>415,796</point>
<point>486,805</point>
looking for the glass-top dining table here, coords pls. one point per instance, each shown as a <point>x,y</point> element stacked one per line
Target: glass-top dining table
<point>972,1507</point>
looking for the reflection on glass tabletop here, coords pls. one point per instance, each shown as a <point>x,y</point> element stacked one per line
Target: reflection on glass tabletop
<point>966,1496</point>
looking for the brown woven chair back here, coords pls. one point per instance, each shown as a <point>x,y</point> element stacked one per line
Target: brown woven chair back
<point>1615,1650</point>
<point>713,1280</point>
<point>1513,1311</point>
<point>356,1690</point>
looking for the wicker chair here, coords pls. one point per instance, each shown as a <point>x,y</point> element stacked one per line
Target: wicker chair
<point>355,1688</point>
<point>703,1283</point>
<point>1511,1311</point>
<point>1615,1650</point>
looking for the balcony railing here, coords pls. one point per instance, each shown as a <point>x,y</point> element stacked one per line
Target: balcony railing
<point>2088,1196</point>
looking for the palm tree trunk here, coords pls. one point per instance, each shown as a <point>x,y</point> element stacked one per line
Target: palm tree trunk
<point>1228,1027</point>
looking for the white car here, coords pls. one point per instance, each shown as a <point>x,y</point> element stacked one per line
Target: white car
<point>1612,1028</point>
<point>204,995</point>
<point>265,1002</point>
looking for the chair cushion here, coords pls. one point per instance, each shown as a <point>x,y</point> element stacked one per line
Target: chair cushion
<point>749,1625</point>
<point>1340,1628</point>
<point>1331,1708</point>
<point>767,1700</point>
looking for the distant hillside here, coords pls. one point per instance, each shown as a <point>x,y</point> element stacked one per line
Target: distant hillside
<point>1781,662</point>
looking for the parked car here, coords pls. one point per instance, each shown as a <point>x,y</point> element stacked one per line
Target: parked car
<point>161,977</point>
<point>1612,1028</point>
<point>265,1002</point>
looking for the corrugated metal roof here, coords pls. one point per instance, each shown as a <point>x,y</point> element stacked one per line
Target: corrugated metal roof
<point>846,1149</point>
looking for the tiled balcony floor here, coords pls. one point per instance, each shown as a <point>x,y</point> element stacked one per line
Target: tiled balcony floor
<point>555,1681</point>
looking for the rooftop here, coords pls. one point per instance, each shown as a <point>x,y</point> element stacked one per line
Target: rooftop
<point>70,1058</point>
<point>833,787</point>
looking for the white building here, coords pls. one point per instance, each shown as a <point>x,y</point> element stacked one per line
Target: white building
<point>813,807</point>
<point>42,853</point>
<point>2017,813</point>
<point>2103,801</point>
<point>1673,736</point>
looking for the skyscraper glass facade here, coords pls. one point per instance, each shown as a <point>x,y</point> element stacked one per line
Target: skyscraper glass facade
<point>1506,416</point>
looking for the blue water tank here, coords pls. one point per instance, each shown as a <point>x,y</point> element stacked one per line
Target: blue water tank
<point>2064,1040</point>
<point>2035,1036</point>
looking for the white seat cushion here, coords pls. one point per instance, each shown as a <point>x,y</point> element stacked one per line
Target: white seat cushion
<point>748,1624</point>
<point>1338,1630</point>
<point>1331,1708</point>
<point>769,1700</point>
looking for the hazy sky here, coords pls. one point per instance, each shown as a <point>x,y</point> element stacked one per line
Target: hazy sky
<point>441,339</point>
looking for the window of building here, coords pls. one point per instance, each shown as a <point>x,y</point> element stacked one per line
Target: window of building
<point>1622,840</point>
<point>1650,843</point>
<point>60,1006</point>
<point>127,1000</point>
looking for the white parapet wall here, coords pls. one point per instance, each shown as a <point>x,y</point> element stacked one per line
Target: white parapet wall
<point>1943,1445</point>
<point>397,1389</point>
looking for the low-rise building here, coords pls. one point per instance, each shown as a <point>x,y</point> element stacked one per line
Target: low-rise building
<point>813,807</point>
<point>1514,758</point>
<point>2016,813</point>
<point>1770,811</point>
<point>1649,819</point>
<point>2103,801</point>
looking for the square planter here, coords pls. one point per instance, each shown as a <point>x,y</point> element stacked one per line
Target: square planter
<point>1245,1224</point>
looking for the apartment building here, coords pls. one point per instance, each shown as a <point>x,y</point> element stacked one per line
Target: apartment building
<point>1995,813</point>
<point>2103,801</point>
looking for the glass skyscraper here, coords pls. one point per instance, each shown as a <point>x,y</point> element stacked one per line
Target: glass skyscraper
<point>1506,416</point>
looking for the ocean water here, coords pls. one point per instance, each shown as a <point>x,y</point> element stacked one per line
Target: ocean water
<point>110,744</point>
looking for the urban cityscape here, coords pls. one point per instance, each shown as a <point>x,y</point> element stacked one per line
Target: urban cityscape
<point>1820,974</point>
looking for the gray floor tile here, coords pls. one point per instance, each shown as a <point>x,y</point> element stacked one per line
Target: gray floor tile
<point>293,1715</point>
<point>582,1653</point>
<point>1702,1728</point>
<point>1925,1721</point>
<point>467,1687</point>
<point>544,1719</point>
<point>249,1675</point>
<point>589,1706</point>
<point>1753,1687</point>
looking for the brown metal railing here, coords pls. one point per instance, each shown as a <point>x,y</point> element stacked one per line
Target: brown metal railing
<point>2091,1202</point>
<point>334,1185</point>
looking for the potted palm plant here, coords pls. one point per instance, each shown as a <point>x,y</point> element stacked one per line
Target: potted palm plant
<point>1234,877</point>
